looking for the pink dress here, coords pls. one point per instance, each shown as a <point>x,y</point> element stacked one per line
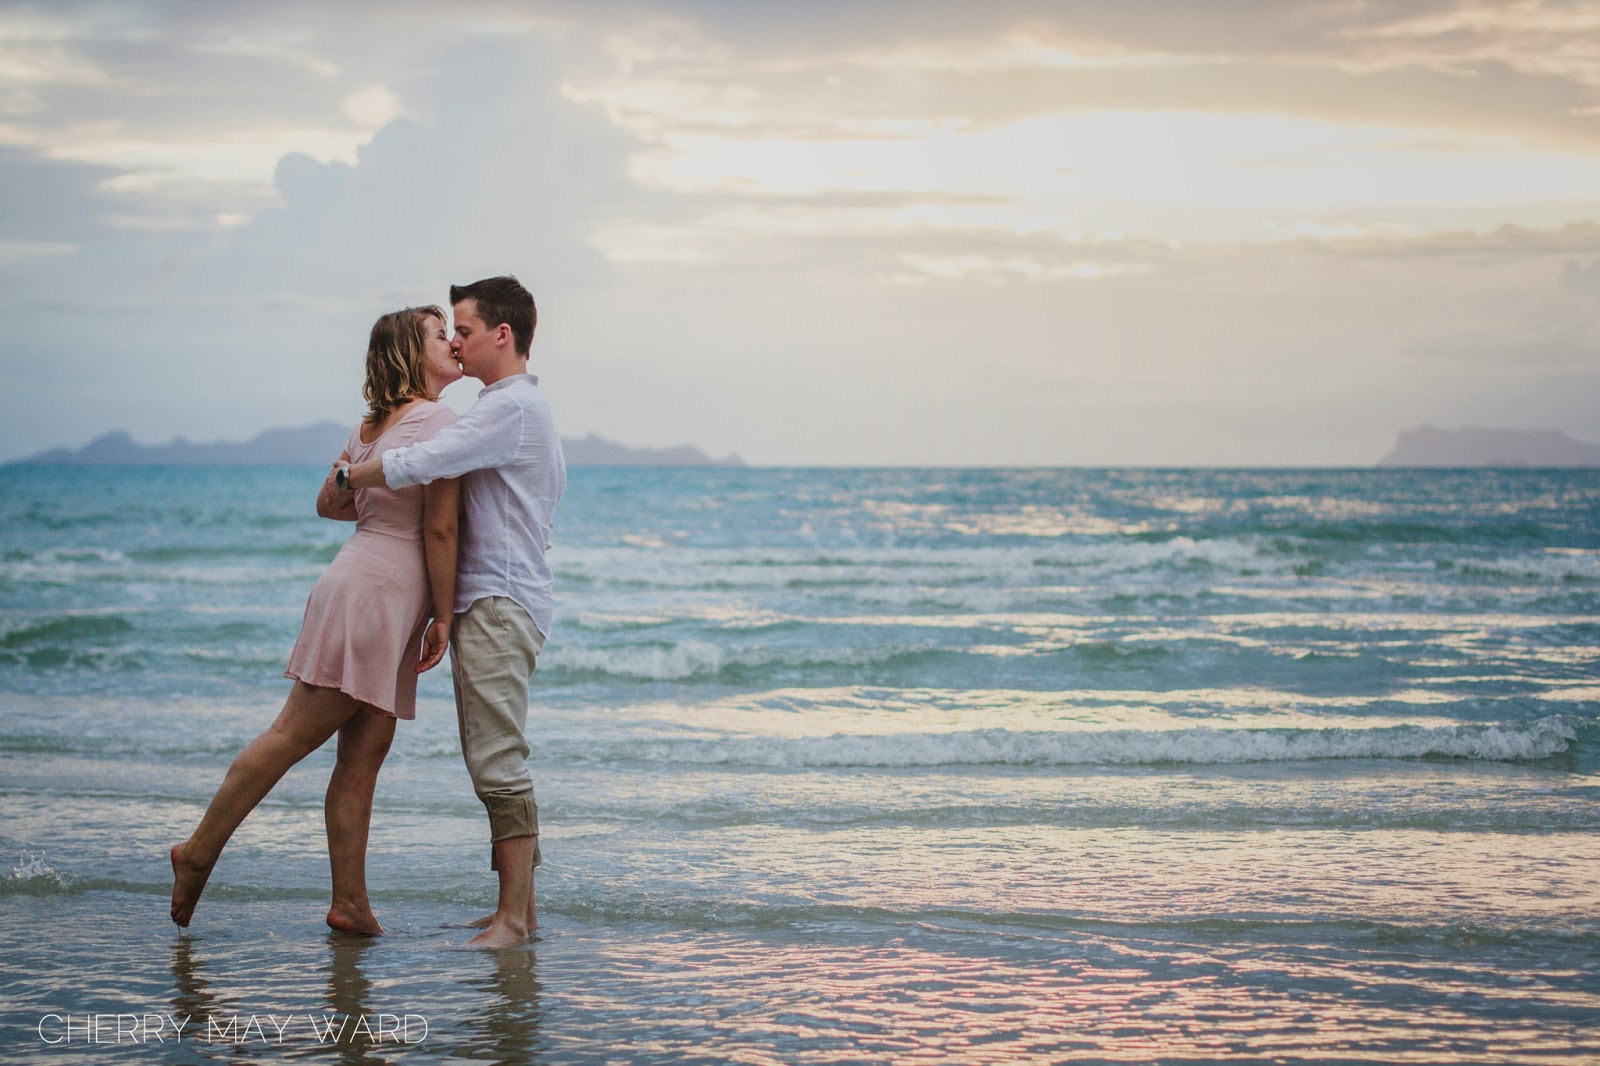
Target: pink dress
<point>364,622</point>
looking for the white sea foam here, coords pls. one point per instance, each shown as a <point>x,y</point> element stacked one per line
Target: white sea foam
<point>674,662</point>
<point>65,565</point>
<point>31,867</point>
<point>69,568</point>
<point>682,660</point>
<point>1005,565</point>
<point>1550,566</point>
<point>1001,747</point>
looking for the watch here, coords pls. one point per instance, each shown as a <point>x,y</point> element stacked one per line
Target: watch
<point>342,478</point>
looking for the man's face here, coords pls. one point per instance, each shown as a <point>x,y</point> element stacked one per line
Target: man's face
<point>473,343</point>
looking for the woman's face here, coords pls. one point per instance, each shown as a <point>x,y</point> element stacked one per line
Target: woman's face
<point>438,363</point>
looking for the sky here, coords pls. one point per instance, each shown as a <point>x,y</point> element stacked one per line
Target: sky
<point>1087,232</point>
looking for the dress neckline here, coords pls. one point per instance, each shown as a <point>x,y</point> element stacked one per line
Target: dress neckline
<point>402,420</point>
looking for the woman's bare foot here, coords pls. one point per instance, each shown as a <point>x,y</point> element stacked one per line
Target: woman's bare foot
<point>345,919</point>
<point>188,882</point>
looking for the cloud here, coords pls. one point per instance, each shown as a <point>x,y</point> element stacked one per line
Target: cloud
<point>505,176</point>
<point>51,201</point>
<point>1540,39</point>
<point>1581,278</point>
<point>939,232</point>
<point>1502,243</point>
<point>262,323</point>
<point>1494,68</point>
<point>213,105</point>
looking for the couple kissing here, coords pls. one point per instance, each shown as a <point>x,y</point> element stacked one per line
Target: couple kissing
<point>453,519</point>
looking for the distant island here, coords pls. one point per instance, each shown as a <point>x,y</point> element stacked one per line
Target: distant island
<point>321,443</point>
<point>1431,446</point>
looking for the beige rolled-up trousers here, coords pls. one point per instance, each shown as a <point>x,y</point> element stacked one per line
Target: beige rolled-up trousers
<point>493,652</point>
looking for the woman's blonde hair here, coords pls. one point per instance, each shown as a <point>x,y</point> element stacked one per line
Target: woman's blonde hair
<point>394,361</point>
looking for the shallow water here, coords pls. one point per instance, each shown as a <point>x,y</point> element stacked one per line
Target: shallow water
<point>845,766</point>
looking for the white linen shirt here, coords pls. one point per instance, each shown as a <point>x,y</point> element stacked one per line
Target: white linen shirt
<point>506,452</point>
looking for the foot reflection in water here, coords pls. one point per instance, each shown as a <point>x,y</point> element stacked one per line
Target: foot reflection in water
<point>506,1027</point>
<point>192,996</point>
<point>349,997</point>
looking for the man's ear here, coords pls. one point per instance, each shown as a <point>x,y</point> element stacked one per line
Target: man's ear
<point>503,332</point>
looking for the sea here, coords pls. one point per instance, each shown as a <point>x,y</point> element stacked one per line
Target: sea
<point>843,766</point>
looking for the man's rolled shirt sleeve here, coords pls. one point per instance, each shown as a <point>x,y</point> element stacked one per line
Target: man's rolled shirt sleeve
<point>488,435</point>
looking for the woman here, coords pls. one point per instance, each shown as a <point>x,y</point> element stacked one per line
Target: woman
<point>356,662</point>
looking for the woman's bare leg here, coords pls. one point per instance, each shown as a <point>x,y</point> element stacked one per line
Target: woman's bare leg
<point>309,717</point>
<point>363,742</point>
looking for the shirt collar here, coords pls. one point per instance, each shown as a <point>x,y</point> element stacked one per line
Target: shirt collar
<point>531,379</point>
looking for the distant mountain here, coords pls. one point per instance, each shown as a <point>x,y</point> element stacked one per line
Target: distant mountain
<point>321,443</point>
<point>1430,446</point>
<point>595,450</point>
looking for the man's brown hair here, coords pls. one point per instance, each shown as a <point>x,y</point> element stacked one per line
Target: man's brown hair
<point>502,299</point>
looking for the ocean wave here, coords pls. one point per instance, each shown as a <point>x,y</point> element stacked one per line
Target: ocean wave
<point>70,629</point>
<point>1284,553</point>
<point>1524,742</point>
<point>99,575</point>
<point>705,661</point>
<point>752,568</point>
<point>1520,533</point>
<point>992,577</point>
<point>1562,567</point>
<point>64,554</point>
<point>807,812</point>
<point>64,566</point>
<point>700,660</point>
<point>69,884</point>
<point>317,552</point>
<point>95,644</point>
<point>697,912</point>
<point>1517,742</point>
<point>582,900</point>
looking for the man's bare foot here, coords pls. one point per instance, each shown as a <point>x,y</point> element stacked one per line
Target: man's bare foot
<point>478,923</point>
<point>188,882</point>
<point>499,935</point>
<point>345,919</point>
<point>488,920</point>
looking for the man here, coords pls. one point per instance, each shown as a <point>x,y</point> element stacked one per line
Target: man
<point>507,453</point>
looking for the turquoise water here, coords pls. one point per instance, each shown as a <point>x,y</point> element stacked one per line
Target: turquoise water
<point>846,766</point>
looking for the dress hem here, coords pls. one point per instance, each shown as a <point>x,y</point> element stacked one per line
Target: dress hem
<point>363,700</point>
